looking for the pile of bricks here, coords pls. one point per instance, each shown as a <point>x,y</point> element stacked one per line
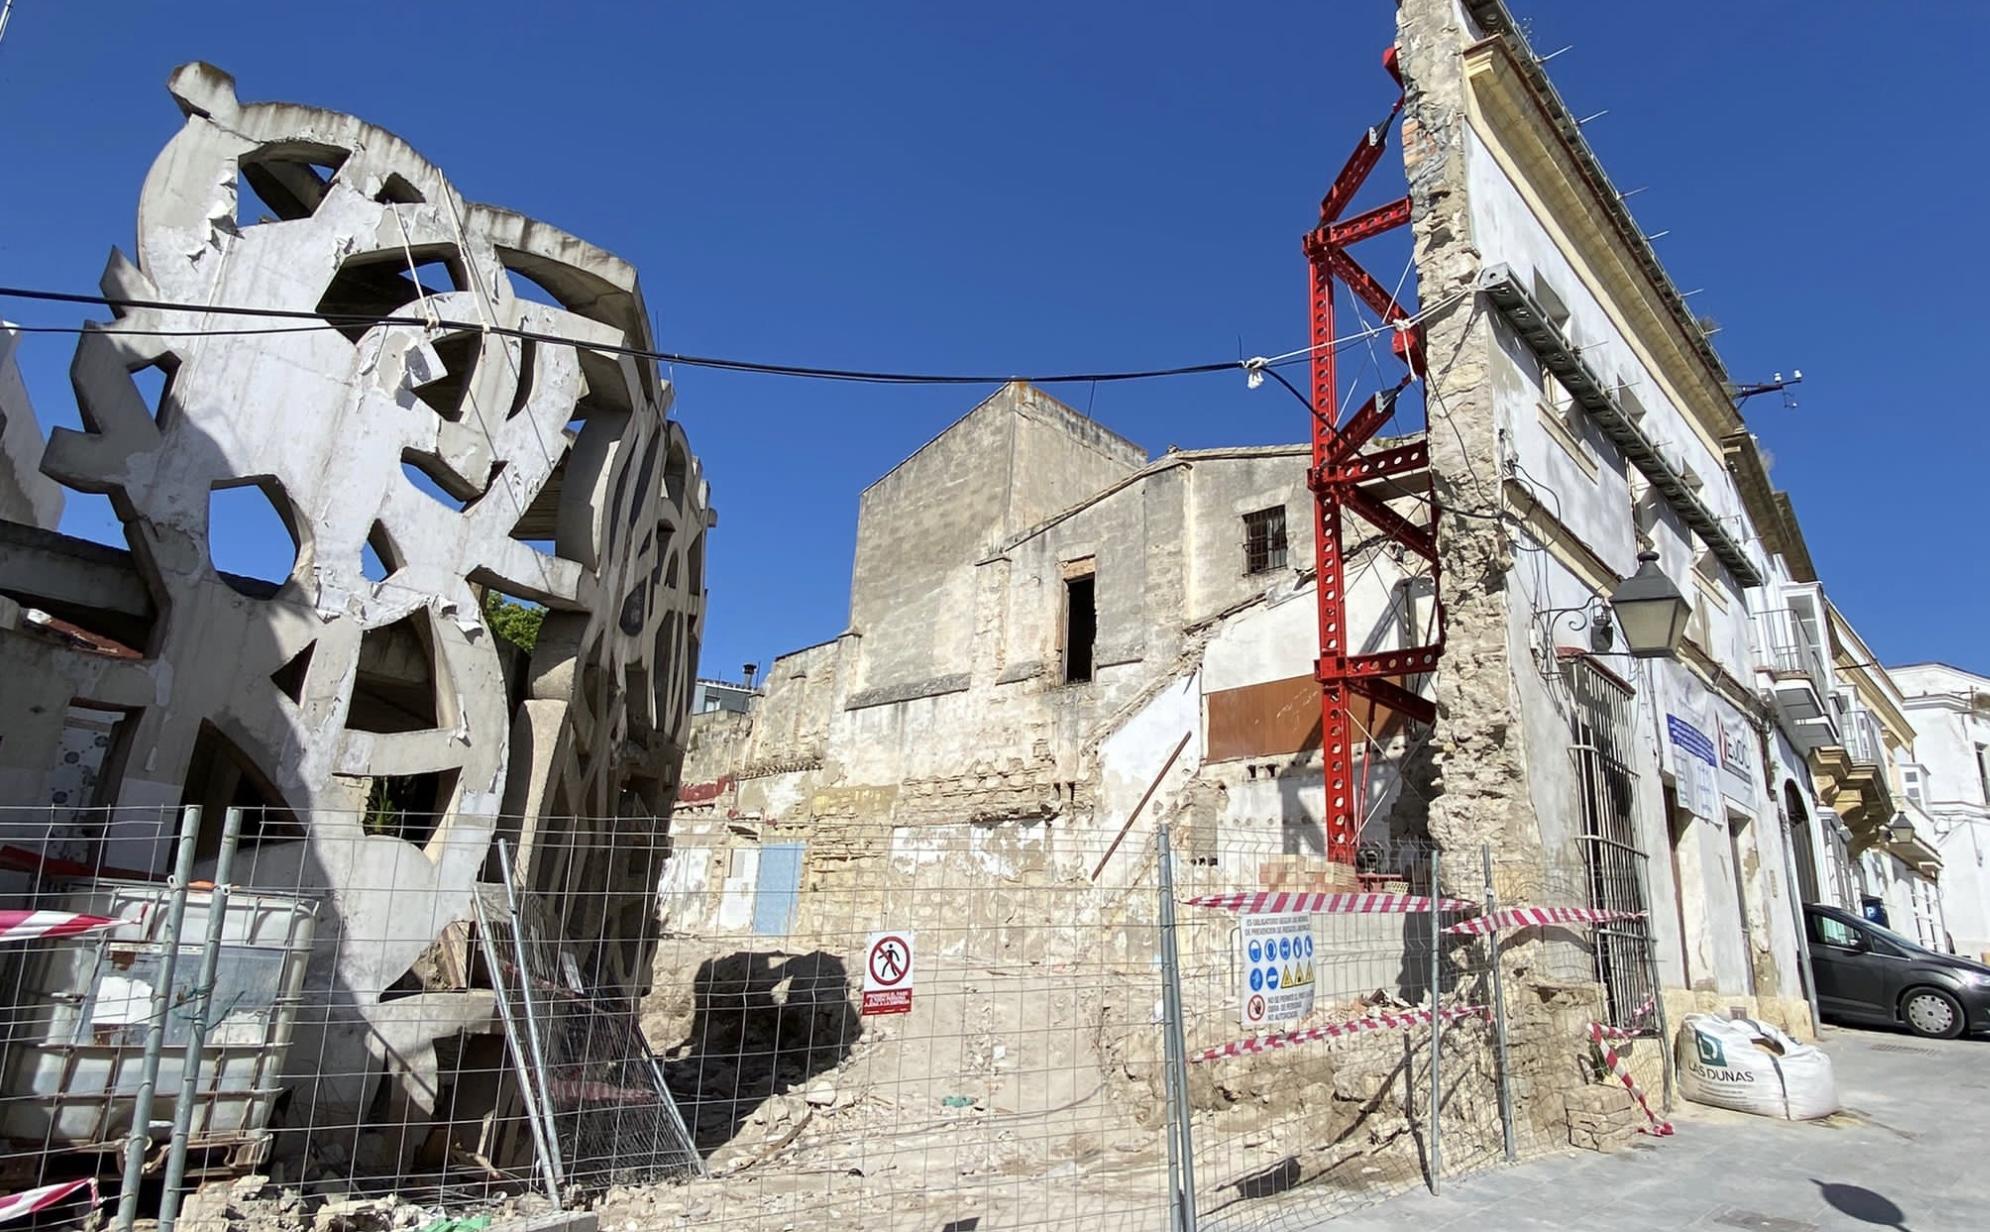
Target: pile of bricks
<point>1310,873</point>
<point>1601,1117</point>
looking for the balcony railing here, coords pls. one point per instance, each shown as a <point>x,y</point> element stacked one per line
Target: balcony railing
<point>1790,647</point>
<point>1862,736</point>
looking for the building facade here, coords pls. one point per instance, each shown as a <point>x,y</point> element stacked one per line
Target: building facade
<point>1949,781</point>
<point>1581,399</point>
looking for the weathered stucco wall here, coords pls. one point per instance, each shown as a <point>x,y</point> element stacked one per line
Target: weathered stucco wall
<point>1487,190</point>
<point>1016,459</point>
<point>1952,731</point>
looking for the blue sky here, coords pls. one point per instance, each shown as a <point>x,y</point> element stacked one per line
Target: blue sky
<point>1047,187</point>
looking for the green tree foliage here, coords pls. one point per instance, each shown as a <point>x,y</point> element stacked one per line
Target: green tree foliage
<point>517,623</point>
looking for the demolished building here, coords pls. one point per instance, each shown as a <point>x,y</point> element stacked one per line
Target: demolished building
<point>1058,648</point>
<point>1080,692</point>
<point>498,445</point>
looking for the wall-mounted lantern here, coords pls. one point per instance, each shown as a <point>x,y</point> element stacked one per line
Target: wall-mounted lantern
<point>1650,611</point>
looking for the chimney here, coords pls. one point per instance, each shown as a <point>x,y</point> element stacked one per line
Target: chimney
<point>750,669</point>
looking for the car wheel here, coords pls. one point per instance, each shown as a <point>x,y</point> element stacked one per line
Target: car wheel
<point>1932,1013</point>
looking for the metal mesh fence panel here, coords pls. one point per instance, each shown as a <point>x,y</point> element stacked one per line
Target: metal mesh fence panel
<point>1555,988</point>
<point>607,1115</point>
<point>736,1025</point>
<point>83,951</point>
<point>1013,1078</point>
<point>1311,1032</point>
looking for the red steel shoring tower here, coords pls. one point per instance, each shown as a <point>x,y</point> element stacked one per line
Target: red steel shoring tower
<point>1338,471</point>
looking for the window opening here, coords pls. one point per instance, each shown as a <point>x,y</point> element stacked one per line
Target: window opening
<point>1081,628</point>
<point>1613,858</point>
<point>1264,540</point>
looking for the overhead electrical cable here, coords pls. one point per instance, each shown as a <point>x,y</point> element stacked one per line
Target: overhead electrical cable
<point>340,320</point>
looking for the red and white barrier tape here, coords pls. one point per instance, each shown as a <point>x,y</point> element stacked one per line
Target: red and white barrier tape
<point>1287,902</point>
<point>1597,1034</point>
<point>1374,1022</point>
<point>1534,917</point>
<point>1646,1008</point>
<point>34,925</point>
<point>13,1206</point>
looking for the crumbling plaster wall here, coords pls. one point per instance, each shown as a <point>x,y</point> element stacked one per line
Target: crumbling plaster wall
<point>1019,745</point>
<point>982,817</point>
<point>1475,204</point>
<point>1478,751</point>
<point>1014,460</point>
<point>547,472</point>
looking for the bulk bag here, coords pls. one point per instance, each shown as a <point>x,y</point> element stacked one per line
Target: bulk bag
<point>1750,1066</point>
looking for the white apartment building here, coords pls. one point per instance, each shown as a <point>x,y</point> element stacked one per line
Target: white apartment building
<point>1949,780</point>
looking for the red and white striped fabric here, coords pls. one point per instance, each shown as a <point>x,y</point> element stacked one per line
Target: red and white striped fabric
<point>1287,902</point>
<point>1395,1020</point>
<point>13,1206</point>
<point>1646,1008</point>
<point>1636,1030</point>
<point>35,925</point>
<point>1534,917</point>
<point>1597,1034</point>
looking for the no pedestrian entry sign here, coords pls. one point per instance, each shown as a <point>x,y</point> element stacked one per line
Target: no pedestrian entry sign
<point>888,974</point>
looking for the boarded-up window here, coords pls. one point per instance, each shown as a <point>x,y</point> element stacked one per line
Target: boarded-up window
<point>1264,540</point>
<point>1276,718</point>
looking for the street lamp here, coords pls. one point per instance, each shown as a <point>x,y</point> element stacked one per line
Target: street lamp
<point>1650,610</point>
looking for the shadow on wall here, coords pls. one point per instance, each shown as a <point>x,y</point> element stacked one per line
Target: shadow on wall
<point>763,1023</point>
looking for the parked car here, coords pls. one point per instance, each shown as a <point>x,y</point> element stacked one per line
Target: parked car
<point>1869,974</point>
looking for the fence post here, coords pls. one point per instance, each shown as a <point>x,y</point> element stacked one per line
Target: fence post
<point>155,1032</point>
<point>1181,1135</point>
<point>531,1012</point>
<point>1436,1027</point>
<point>1643,864</point>
<point>526,1095</point>
<point>201,1003</point>
<point>1499,1010</point>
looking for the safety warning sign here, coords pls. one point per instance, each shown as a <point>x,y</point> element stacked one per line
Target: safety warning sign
<point>888,974</point>
<point>1278,968</point>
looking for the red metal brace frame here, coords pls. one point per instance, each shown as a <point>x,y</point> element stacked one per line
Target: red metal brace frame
<point>1338,472</point>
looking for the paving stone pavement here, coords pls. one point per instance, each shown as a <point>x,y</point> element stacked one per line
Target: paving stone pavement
<point>1908,1153</point>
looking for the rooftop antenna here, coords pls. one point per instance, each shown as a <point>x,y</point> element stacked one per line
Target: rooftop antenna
<point>1594,115</point>
<point>6,9</point>
<point>1776,384</point>
<point>1551,55</point>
